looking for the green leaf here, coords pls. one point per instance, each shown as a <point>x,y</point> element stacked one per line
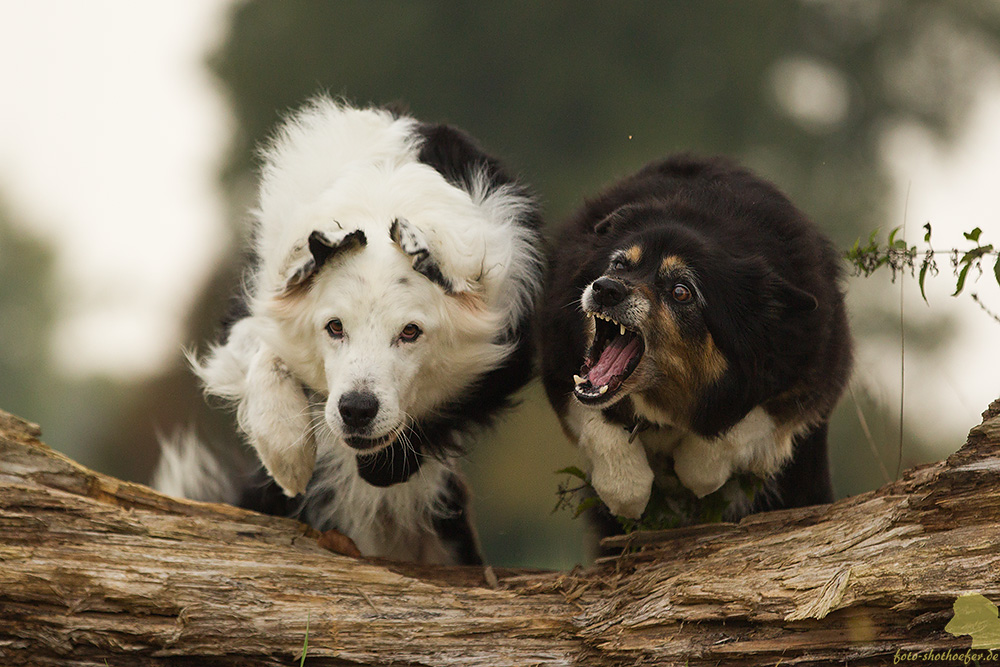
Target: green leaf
<point>996,270</point>
<point>574,471</point>
<point>927,236</point>
<point>923,274</point>
<point>892,235</point>
<point>974,254</point>
<point>961,279</point>
<point>973,235</point>
<point>585,505</point>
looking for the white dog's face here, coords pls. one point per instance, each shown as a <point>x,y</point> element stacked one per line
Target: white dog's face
<point>384,344</point>
<point>377,327</point>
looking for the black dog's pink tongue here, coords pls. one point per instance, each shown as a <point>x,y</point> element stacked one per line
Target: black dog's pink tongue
<point>614,359</point>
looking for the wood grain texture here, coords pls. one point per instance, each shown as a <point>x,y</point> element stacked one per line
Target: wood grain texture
<point>94,570</point>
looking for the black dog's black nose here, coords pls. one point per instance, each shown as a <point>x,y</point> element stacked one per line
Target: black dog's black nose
<point>608,291</point>
<point>358,409</point>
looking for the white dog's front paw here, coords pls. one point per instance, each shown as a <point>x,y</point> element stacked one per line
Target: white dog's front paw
<point>625,495</point>
<point>291,467</point>
<point>275,415</point>
<point>283,443</point>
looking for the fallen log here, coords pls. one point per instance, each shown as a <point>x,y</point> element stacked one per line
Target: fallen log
<point>98,571</point>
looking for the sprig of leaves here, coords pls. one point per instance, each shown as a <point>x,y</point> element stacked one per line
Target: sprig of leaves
<point>901,257</point>
<point>579,498</point>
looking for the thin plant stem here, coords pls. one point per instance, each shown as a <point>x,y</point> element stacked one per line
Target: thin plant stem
<point>868,435</point>
<point>902,345</point>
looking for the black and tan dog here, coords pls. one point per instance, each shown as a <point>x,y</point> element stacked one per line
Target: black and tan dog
<point>693,314</point>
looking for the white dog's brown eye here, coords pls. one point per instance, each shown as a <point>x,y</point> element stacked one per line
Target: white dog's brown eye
<point>681,293</point>
<point>335,328</point>
<point>410,333</point>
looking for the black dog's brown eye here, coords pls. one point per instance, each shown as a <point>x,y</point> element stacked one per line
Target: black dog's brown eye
<point>618,265</point>
<point>410,333</point>
<point>335,328</point>
<point>681,293</point>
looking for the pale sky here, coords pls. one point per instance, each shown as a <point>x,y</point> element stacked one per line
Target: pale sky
<point>110,141</point>
<point>111,134</point>
<point>956,189</point>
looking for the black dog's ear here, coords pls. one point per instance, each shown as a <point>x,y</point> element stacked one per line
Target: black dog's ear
<point>413,242</point>
<point>605,224</point>
<point>793,297</point>
<point>323,246</point>
<point>744,297</point>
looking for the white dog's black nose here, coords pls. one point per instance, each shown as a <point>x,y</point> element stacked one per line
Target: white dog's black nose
<point>608,292</point>
<point>358,409</point>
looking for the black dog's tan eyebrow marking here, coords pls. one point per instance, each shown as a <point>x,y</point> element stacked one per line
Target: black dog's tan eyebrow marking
<point>411,241</point>
<point>672,263</point>
<point>634,254</point>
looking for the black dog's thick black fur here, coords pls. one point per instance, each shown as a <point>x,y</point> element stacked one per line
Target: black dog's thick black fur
<point>773,304</point>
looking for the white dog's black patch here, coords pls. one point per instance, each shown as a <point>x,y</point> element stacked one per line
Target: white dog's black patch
<point>394,274</point>
<point>693,317</point>
<point>411,240</point>
<point>323,246</point>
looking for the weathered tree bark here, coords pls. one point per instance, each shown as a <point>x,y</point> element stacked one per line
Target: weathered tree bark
<point>97,571</point>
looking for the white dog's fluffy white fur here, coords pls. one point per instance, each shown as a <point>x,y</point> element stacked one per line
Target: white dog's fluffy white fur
<point>320,328</point>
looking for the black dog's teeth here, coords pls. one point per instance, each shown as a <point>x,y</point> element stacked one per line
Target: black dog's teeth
<point>606,332</point>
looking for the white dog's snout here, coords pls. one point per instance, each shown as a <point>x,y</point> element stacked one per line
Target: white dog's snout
<point>358,409</point>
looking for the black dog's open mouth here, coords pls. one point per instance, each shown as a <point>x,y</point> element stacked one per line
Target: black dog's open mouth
<point>370,445</point>
<point>612,358</point>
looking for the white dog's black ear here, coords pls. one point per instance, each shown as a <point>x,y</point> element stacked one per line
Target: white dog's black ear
<point>413,242</point>
<point>323,246</point>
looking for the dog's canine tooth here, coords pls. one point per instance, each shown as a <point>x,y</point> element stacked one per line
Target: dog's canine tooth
<point>578,380</point>
<point>603,390</point>
<point>623,328</point>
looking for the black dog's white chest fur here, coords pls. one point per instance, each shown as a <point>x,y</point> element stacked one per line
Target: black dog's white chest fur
<point>693,299</point>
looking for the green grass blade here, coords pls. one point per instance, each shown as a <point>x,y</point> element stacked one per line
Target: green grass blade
<point>305,644</point>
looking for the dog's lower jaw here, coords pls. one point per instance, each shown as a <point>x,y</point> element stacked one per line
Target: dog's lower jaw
<point>620,472</point>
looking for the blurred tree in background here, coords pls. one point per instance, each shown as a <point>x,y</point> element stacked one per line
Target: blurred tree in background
<point>76,412</point>
<point>27,311</point>
<point>575,95</point>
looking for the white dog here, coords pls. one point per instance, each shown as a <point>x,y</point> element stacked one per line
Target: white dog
<point>387,312</point>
